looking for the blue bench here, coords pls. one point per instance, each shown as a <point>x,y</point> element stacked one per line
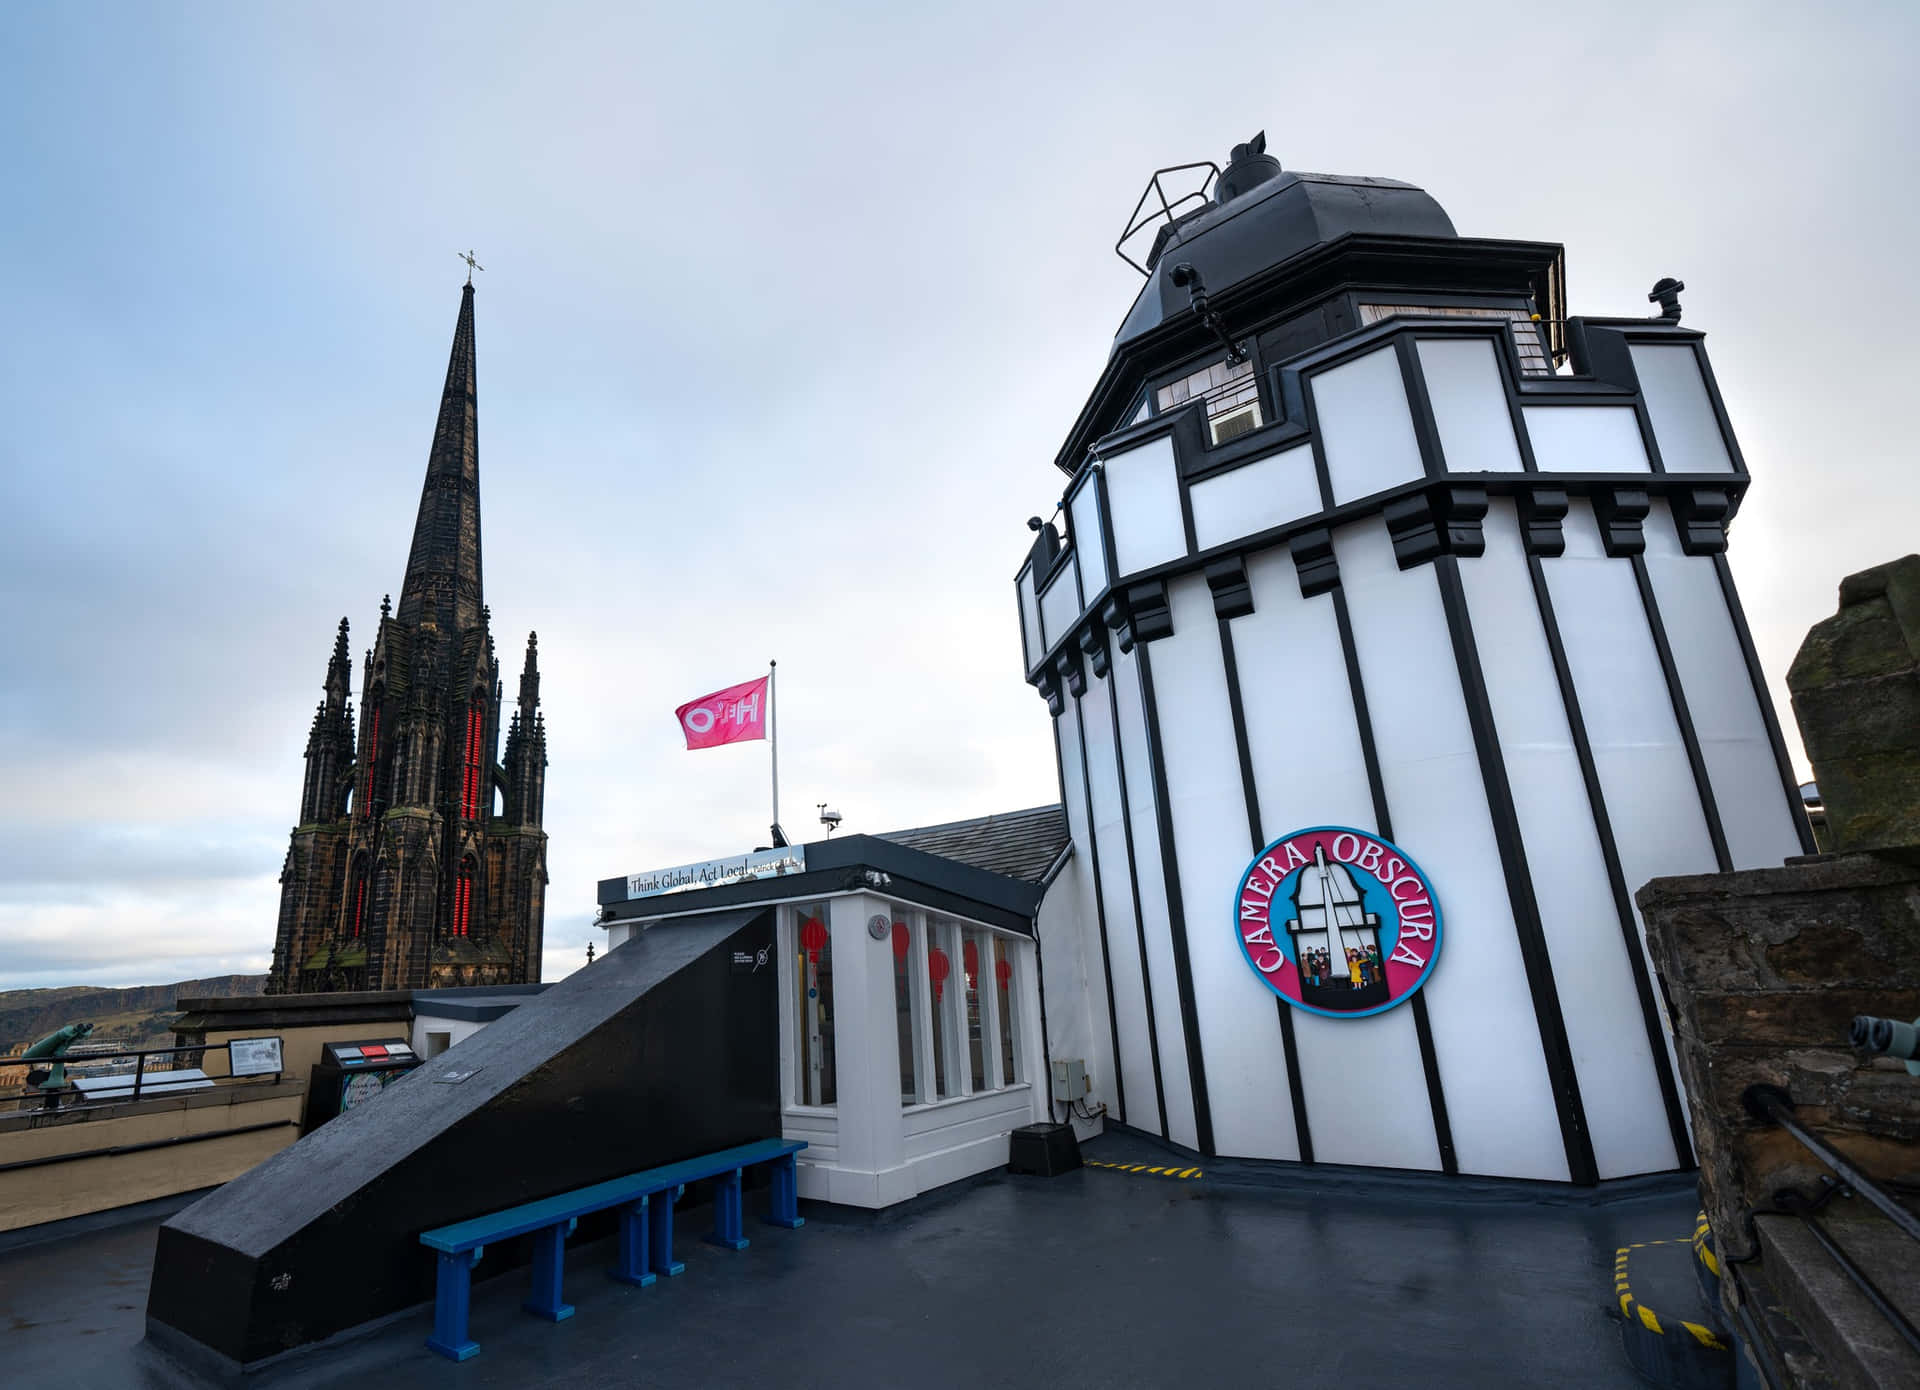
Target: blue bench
<point>645,1205</point>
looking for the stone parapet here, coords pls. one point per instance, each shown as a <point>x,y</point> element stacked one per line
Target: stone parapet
<point>1763,971</point>
<point>1856,695</point>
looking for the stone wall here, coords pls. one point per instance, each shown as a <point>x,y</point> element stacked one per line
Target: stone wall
<point>1856,696</point>
<point>1763,972</point>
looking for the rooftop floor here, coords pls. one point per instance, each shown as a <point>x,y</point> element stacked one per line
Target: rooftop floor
<point>1101,1277</point>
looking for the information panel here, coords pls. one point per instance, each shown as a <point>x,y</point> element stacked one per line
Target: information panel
<point>254,1056</point>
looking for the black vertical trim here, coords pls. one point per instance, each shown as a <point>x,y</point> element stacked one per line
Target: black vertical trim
<point>1383,822</point>
<point>1186,508</point>
<point>1528,927</point>
<point>1026,648</point>
<point>1100,908</point>
<point>1176,913</point>
<point>1796,809</point>
<point>1426,430</point>
<point>1107,545</point>
<point>1734,456</point>
<point>1296,1088</point>
<point>1708,806</point>
<point>1616,875</point>
<point>1237,710</point>
<point>1133,882</point>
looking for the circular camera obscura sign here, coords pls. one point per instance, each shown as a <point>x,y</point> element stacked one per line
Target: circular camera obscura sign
<point>1338,922</point>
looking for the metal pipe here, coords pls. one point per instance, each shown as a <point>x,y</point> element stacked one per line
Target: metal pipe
<point>1862,1282</point>
<point>1772,1103</point>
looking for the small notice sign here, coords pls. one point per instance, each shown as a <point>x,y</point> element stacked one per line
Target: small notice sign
<point>254,1056</point>
<point>713,873</point>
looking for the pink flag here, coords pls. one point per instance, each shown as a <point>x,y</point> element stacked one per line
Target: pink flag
<point>737,714</point>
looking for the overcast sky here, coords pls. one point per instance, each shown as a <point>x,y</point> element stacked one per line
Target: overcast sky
<point>786,311</point>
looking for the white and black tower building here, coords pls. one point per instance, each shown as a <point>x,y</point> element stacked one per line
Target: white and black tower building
<point>1362,531</point>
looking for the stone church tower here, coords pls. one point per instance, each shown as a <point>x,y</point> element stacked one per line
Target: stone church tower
<point>419,860</point>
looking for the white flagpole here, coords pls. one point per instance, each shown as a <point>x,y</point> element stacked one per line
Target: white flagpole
<point>774,741</point>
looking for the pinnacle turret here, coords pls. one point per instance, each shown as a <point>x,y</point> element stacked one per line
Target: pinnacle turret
<point>530,678</point>
<point>339,670</point>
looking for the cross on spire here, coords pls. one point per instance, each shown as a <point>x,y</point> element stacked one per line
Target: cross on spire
<point>472,264</point>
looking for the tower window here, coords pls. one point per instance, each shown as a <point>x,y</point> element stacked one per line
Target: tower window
<point>1232,398</point>
<point>373,757</point>
<point>463,900</point>
<point>357,922</point>
<point>470,780</point>
<point>1526,331</point>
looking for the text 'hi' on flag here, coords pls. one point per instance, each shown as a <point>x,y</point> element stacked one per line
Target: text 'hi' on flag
<point>737,714</point>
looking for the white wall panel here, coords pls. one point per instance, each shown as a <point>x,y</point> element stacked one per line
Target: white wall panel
<point>1658,826</point>
<point>1469,405</point>
<point>1144,493</point>
<point>1499,1098</point>
<point>1060,602</point>
<point>1586,439</point>
<point>1030,618</point>
<point>1267,492</point>
<point>1720,699</point>
<point>1088,544</point>
<point>1174,1077</point>
<point>1366,428</point>
<point>1684,424</point>
<point>1619,1086</point>
<point>1116,887</point>
<point>1078,1024</point>
<point>1366,1093</point>
<point>1240,1038</point>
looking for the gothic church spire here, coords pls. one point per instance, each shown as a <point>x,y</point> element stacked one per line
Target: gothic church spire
<point>442,584</point>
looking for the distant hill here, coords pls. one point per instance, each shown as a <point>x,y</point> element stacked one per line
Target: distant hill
<point>140,1017</point>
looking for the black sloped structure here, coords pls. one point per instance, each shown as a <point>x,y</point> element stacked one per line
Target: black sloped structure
<point>658,1051</point>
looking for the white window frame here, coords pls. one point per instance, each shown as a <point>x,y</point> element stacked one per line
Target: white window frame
<point>789,938</point>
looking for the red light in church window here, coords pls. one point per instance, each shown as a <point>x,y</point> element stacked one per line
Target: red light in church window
<point>360,904</point>
<point>463,900</point>
<point>470,781</point>
<point>373,756</point>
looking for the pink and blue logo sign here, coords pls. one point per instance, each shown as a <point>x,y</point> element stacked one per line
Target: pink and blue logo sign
<point>1337,922</point>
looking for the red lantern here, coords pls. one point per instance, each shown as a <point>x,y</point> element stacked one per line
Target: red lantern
<point>900,941</point>
<point>813,936</point>
<point>1003,971</point>
<point>937,967</point>
<point>970,957</point>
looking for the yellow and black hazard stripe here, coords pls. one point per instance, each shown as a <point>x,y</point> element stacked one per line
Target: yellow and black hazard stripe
<point>1161,1172</point>
<point>1635,1311</point>
<point>1703,1246</point>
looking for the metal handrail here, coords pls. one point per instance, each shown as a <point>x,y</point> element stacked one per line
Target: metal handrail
<point>52,1096</point>
<point>1766,1104</point>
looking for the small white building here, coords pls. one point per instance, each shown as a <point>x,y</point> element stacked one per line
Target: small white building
<point>913,1041</point>
<point>443,1017</point>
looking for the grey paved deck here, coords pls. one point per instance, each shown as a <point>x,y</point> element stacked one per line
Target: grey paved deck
<point>1098,1278</point>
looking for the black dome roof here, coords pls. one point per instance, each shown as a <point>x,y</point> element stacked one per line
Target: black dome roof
<point>1277,217</point>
